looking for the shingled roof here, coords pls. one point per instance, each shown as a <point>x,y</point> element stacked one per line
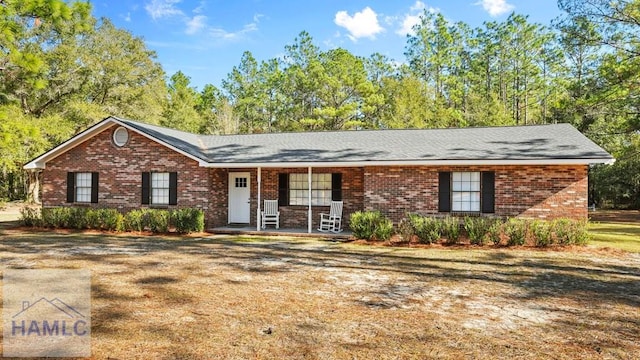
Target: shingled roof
<point>535,144</point>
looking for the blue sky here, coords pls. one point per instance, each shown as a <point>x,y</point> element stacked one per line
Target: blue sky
<point>206,38</point>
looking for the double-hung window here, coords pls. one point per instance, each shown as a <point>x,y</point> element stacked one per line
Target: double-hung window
<point>160,188</point>
<point>320,189</point>
<point>293,189</point>
<point>82,187</point>
<point>466,191</point>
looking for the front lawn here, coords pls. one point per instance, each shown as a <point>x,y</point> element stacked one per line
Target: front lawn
<point>615,235</point>
<point>280,298</point>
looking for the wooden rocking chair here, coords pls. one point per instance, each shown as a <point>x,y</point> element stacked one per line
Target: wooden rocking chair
<point>270,214</point>
<point>333,220</point>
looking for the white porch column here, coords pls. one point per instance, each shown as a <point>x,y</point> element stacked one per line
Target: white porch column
<point>259,199</point>
<point>310,220</point>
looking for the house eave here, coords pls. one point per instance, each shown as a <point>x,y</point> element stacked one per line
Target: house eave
<point>41,161</point>
<point>444,162</point>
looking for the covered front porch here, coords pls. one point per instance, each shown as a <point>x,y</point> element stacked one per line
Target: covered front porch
<point>302,193</point>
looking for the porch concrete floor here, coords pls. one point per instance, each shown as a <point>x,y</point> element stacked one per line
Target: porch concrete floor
<point>271,231</point>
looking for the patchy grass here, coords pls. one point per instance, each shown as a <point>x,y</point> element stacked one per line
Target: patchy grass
<point>615,235</point>
<point>279,298</point>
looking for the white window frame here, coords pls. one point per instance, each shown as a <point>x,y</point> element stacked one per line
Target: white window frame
<point>121,131</point>
<point>159,188</point>
<point>83,182</point>
<point>321,185</point>
<point>466,191</point>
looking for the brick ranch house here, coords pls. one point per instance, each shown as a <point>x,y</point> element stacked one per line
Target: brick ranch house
<point>527,171</point>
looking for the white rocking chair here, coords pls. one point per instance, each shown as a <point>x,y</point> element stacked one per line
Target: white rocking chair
<point>333,220</point>
<point>270,214</point>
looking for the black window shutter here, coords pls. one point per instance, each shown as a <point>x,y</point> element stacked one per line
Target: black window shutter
<point>488,192</point>
<point>173,188</point>
<point>146,185</point>
<point>71,187</point>
<point>94,187</point>
<point>444,191</point>
<point>336,187</point>
<point>283,189</point>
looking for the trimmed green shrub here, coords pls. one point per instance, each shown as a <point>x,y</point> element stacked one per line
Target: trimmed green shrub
<point>451,229</point>
<point>158,220</point>
<point>134,220</point>
<point>494,232</point>
<point>383,230</point>
<point>428,229</point>
<point>30,216</point>
<point>105,219</point>
<point>477,229</point>
<point>188,220</point>
<point>567,231</point>
<point>541,231</point>
<point>59,217</point>
<point>370,224</point>
<point>516,230</point>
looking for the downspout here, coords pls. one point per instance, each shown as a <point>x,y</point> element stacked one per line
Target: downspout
<point>310,220</point>
<point>259,195</point>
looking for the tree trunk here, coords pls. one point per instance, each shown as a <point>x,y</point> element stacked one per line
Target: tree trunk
<point>33,195</point>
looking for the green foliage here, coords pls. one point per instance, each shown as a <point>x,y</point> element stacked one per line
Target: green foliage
<point>105,219</point>
<point>30,216</point>
<point>56,217</point>
<point>451,229</point>
<point>567,232</point>
<point>542,232</point>
<point>494,232</point>
<point>477,229</point>
<point>516,231</point>
<point>188,220</point>
<point>134,220</point>
<point>157,220</point>
<point>370,225</point>
<point>427,229</point>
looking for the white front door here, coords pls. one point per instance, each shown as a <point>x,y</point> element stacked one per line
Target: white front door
<point>239,197</point>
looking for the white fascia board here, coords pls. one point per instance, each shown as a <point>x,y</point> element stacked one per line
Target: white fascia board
<point>413,163</point>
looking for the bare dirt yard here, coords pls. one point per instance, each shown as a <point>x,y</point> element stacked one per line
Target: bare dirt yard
<point>210,297</point>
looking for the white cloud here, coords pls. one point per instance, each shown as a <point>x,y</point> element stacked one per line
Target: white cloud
<point>361,24</point>
<point>496,7</point>
<point>220,33</point>
<point>412,18</point>
<point>158,9</point>
<point>195,24</point>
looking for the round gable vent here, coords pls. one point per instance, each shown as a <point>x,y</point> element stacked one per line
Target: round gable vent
<point>120,136</point>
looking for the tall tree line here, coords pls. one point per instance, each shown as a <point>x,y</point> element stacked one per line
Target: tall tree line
<point>62,70</point>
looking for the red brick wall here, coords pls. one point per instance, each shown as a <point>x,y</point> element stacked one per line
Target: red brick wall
<point>527,191</point>
<point>296,216</point>
<point>120,181</point>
